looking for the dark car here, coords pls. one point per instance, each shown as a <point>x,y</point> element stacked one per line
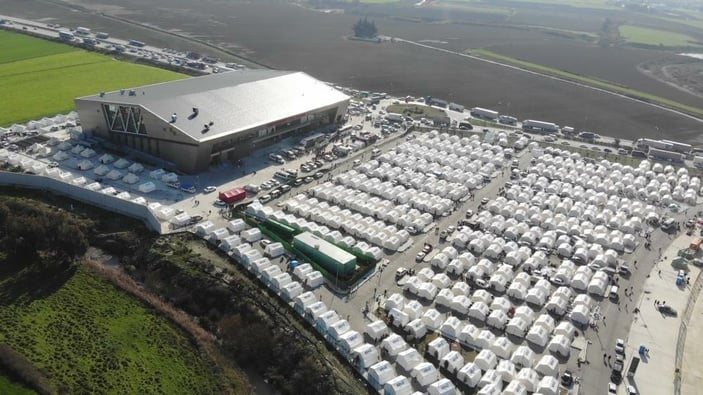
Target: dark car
<point>567,379</point>
<point>665,309</point>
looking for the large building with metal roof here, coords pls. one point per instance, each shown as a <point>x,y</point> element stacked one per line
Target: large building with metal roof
<point>195,122</point>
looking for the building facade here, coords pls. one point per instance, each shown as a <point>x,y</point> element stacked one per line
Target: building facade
<point>196,122</point>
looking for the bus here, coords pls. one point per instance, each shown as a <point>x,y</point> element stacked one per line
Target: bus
<point>313,140</point>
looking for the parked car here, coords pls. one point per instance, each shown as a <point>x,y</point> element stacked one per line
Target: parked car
<point>219,203</point>
<point>209,189</point>
<point>665,309</point>
<point>265,198</point>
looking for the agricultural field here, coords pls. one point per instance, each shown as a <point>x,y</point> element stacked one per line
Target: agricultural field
<point>41,78</point>
<point>91,337</point>
<point>643,35</point>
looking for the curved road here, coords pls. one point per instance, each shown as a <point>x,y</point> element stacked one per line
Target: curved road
<point>552,77</point>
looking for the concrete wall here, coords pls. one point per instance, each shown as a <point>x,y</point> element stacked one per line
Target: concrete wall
<point>107,202</point>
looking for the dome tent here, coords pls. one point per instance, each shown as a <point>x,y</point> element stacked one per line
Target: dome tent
<point>451,328</point>
<point>365,356</point>
<point>486,360</point>
<point>376,330</point>
<point>393,345</point>
<point>502,347</point>
<point>515,388</point>
<point>380,373</point>
<point>415,329</point>
<point>560,345</point>
<point>506,370</point>
<point>529,378</point>
<point>408,359</point>
<point>469,335</point>
<point>491,378</point>
<point>400,385</point>
<point>452,362</point>
<point>549,385</point>
<point>523,356</point>
<point>469,374</point>
<point>441,387</point>
<point>538,335</point>
<point>425,374</point>
<point>438,348</point>
<point>548,365</point>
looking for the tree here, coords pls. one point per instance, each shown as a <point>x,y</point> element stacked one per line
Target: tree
<point>364,28</point>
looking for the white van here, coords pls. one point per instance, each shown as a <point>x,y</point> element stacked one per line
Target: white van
<point>614,292</point>
<point>375,153</point>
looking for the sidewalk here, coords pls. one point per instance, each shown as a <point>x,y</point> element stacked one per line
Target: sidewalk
<point>692,373</point>
<point>657,332</point>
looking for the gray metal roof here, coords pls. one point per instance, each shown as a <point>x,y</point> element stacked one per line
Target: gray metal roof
<point>234,101</point>
<point>326,248</point>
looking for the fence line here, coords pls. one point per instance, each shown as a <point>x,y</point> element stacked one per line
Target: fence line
<point>104,201</point>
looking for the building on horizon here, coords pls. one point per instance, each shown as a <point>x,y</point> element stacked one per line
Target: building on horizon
<point>199,121</point>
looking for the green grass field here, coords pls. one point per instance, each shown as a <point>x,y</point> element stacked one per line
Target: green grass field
<point>91,337</point>
<point>41,78</point>
<point>643,35</point>
<point>416,111</point>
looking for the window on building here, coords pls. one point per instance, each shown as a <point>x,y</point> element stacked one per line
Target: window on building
<point>120,118</point>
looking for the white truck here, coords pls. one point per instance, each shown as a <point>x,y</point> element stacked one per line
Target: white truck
<point>394,117</point>
<point>484,113</point>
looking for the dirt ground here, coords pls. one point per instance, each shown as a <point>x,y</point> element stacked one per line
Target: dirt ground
<point>685,74</point>
<point>290,37</point>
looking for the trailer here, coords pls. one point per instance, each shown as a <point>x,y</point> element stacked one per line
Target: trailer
<point>667,155</point>
<point>66,35</point>
<point>679,147</point>
<point>136,43</point>
<point>83,30</point>
<point>394,117</point>
<point>456,107</point>
<point>507,120</point>
<point>540,126</point>
<point>484,113</point>
<point>102,35</point>
<point>698,161</point>
<point>233,195</point>
<point>645,144</point>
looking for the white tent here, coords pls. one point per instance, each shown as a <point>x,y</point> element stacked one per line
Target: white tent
<point>565,328</point>
<point>398,318</point>
<point>438,348</point>
<point>529,378</point>
<point>291,290</point>
<point>432,319</point>
<point>315,310</point>
<point>441,387</point>
<point>337,329</point>
<point>380,373</point>
<point>506,370</point>
<point>147,187</point>
<point>515,388</point>
<point>451,328</point>
<point>114,174</point>
<point>278,281</point>
<point>258,266</point>
<point>469,335</point>
<point>580,315</point>
<point>398,386</point>
<point>135,168</point>
<point>470,375</point>
<point>485,338</point>
<point>479,311</point>
<point>486,360</point>
<point>395,301</point>
<point>444,298</point>
<point>460,304</point>
<point>425,374</point>
<point>413,309</point>
<point>548,365</point>
<point>490,389</point>
<point>502,347</point>
<point>349,341</point>
<point>376,330</point>
<point>121,163</point>
<point>491,378</point>
<point>497,319</point>
<point>314,280</point>
<point>523,356</point>
<point>274,250</point>
<point>416,329</point>
<point>303,300</point>
<point>393,344</point>
<point>325,319</point>
<point>452,362</point>
<point>517,326</point>
<point>408,359</point>
<point>548,386</point>
<point>252,235</point>
<point>560,345</point>
<point>557,306</point>
<point>365,356</point>
<point>236,225</point>
<point>537,335</point>
<point>130,178</point>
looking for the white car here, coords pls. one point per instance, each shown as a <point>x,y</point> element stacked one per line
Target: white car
<point>209,189</point>
<point>612,389</point>
<point>620,346</point>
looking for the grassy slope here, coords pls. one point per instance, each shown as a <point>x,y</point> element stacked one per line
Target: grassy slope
<point>643,35</point>
<point>42,78</point>
<point>8,386</point>
<point>92,338</point>
<point>590,81</point>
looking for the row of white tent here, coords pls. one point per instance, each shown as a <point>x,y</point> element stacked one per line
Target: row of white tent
<point>373,206</point>
<point>653,183</point>
<point>235,239</point>
<point>43,124</point>
<point>331,221</point>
